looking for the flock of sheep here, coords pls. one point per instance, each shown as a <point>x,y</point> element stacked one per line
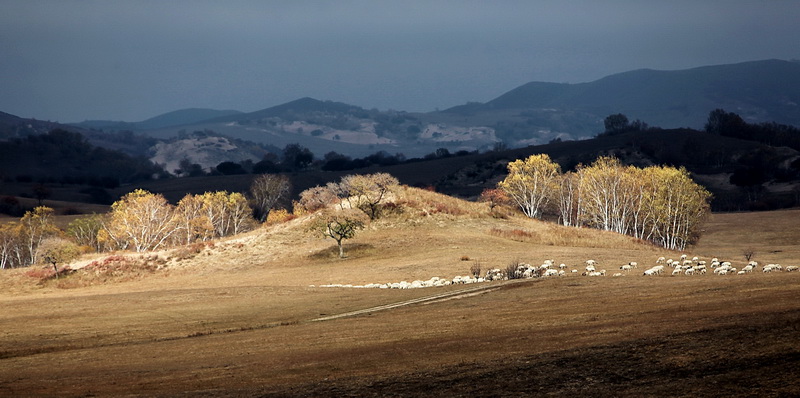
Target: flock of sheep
<point>682,266</point>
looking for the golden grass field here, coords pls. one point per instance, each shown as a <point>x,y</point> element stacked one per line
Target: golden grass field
<point>239,317</point>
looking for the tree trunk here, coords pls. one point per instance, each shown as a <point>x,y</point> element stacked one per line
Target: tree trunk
<point>341,249</point>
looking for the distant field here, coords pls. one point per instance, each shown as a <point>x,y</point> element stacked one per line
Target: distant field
<point>238,319</point>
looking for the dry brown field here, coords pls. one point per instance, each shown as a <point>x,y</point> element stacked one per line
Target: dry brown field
<point>247,316</point>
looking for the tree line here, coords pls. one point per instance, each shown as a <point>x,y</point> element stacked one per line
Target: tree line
<point>143,221</point>
<point>660,204</point>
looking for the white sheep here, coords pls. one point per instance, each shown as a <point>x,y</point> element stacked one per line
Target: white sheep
<point>791,268</point>
<point>661,260</point>
<point>626,267</point>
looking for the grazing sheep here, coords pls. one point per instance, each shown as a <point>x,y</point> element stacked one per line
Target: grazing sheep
<point>791,268</point>
<point>633,264</point>
<point>676,271</point>
<point>661,260</point>
<point>657,270</point>
<point>562,266</point>
<point>551,272</point>
<point>689,271</point>
<point>626,267</point>
<point>590,268</point>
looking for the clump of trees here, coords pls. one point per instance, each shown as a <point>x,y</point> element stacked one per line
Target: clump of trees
<point>20,241</point>
<point>658,203</point>
<point>142,221</point>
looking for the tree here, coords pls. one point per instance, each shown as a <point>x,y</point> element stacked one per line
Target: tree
<point>266,191</point>
<point>725,123</point>
<point>369,190</point>
<point>10,246</point>
<point>679,207</point>
<point>494,197</point>
<point>191,221</point>
<point>571,197</point>
<point>616,123</point>
<point>56,250</point>
<point>85,231</point>
<point>35,227</point>
<point>230,168</point>
<point>297,157</point>
<point>41,192</point>
<point>340,224</point>
<point>316,198</point>
<point>140,220</point>
<point>529,181</point>
<point>227,213</point>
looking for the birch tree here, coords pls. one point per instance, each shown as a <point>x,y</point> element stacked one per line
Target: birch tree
<point>141,221</point>
<point>529,183</point>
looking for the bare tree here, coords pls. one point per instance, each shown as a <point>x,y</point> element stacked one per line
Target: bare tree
<point>266,191</point>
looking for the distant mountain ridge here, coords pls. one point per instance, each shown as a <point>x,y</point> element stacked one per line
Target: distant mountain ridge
<point>169,119</point>
<point>531,114</point>
<point>760,91</point>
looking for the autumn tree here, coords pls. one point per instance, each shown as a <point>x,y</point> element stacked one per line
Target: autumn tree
<point>494,197</point>
<point>340,224</point>
<point>266,191</point>
<point>227,213</point>
<point>317,198</point>
<point>570,198</point>
<point>34,227</point>
<point>679,207</point>
<point>55,250</point>
<point>86,231</point>
<point>11,254</point>
<point>140,221</point>
<point>192,223</point>
<point>529,182</point>
<point>368,190</point>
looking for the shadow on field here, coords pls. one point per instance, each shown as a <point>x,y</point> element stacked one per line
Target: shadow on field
<point>719,362</point>
<point>350,250</point>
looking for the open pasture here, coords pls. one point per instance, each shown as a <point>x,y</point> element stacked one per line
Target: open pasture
<point>242,319</point>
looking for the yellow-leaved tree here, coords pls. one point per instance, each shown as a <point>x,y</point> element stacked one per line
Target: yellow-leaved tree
<point>678,205</point>
<point>530,182</point>
<point>140,221</point>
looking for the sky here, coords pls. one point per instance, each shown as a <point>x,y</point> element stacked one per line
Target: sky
<point>70,60</point>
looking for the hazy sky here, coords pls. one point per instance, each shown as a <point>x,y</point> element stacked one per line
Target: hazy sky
<point>69,61</point>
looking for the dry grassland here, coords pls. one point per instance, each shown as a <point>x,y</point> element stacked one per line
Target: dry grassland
<point>237,319</point>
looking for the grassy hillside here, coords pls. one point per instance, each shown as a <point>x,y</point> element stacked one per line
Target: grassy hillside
<point>240,317</point>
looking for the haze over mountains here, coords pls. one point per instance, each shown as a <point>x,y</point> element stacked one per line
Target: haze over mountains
<point>534,113</point>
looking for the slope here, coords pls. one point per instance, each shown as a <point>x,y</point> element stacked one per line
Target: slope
<point>237,318</point>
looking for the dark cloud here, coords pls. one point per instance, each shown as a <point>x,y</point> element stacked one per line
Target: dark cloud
<point>73,60</point>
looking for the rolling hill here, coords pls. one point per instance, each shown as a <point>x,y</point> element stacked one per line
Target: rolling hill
<point>249,315</point>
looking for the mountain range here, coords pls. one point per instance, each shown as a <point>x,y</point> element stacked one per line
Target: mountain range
<point>531,114</point>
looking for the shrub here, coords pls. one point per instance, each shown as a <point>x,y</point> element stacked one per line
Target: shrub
<point>475,269</point>
<point>512,270</point>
